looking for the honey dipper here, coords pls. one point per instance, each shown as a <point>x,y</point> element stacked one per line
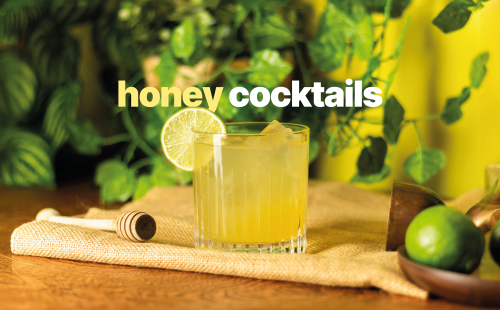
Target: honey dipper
<point>133,226</point>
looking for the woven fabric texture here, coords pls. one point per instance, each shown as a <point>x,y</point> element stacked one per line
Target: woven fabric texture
<point>346,228</point>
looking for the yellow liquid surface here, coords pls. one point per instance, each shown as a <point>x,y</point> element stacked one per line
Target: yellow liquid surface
<point>248,194</point>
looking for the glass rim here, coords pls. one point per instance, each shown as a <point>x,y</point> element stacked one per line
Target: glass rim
<point>303,129</point>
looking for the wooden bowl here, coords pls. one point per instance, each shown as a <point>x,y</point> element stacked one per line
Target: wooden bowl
<point>453,286</point>
<point>407,200</point>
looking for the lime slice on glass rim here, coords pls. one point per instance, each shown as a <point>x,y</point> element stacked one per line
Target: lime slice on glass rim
<point>177,134</point>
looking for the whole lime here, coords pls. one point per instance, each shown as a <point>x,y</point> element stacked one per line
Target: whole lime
<point>445,238</point>
<point>495,243</point>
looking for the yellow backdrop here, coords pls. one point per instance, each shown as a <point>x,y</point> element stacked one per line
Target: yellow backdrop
<point>433,67</point>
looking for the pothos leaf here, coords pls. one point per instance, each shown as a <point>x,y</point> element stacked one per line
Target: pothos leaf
<point>452,111</point>
<point>327,50</point>
<point>362,39</point>
<point>268,68</point>
<point>17,89</point>
<point>397,7</point>
<point>372,178</point>
<point>393,117</point>
<point>24,159</point>
<point>118,183</point>
<point>167,69</point>
<point>62,109</point>
<point>184,39</point>
<point>454,16</point>
<point>478,70</point>
<point>84,137</point>
<point>424,163</point>
<point>371,160</point>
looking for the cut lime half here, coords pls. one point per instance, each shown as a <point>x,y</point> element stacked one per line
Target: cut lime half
<point>177,134</point>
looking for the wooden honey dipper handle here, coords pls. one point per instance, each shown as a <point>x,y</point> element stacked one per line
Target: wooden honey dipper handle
<point>134,226</point>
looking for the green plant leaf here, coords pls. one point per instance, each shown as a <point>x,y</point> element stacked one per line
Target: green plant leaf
<point>327,50</point>
<point>268,69</point>
<point>18,86</point>
<point>478,70</point>
<point>397,8</point>
<point>362,39</point>
<point>186,177</point>
<point>113,43</point>
<point>117,182</point>
<point>24,159</point>
<point>393,117</point>
<point>153,119</point>
<point>167,69</point>
<point>109,170</point>
<point>144,184</point>
<point>184,39</point>
<point>337,142</point>
<point>371,160</point>
<point>314,149</point>
<point>164,174</point>
<point>454,16</point>
<point>84,137</point>
<point>273,33</point>
<point>53,54</point>
<point>401,39</point>
<point>424,163</point>
<point>72,12</point>
<point>372,178</point>
<point>452,111</point>
<point>397,52</point>
<point>225,110</point>
<point>119,189</point>
<point>62,109</point>
<point>18,16</point>
<point>373,65</point>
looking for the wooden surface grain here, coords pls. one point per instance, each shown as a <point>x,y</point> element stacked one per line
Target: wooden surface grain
<point>43,283</point>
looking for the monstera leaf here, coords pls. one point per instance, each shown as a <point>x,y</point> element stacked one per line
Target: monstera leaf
<point>17,89</point>
<point>62,109</point>
<point>24,159</point>
<point>54,54</point>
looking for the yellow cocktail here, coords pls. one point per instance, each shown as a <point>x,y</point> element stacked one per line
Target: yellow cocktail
<point>250,188</point>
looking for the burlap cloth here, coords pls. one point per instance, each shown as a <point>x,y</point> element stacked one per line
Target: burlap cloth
<point>346,228</point>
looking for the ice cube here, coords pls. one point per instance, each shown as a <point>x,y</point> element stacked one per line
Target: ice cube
<point>275,127</point>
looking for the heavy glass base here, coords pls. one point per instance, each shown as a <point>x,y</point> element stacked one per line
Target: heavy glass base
<point>294,245</point>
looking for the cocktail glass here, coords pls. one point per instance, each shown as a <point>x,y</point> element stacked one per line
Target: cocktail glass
<point>250,189</point>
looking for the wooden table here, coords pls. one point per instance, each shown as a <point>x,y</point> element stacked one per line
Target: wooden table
<point>43,283</point>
